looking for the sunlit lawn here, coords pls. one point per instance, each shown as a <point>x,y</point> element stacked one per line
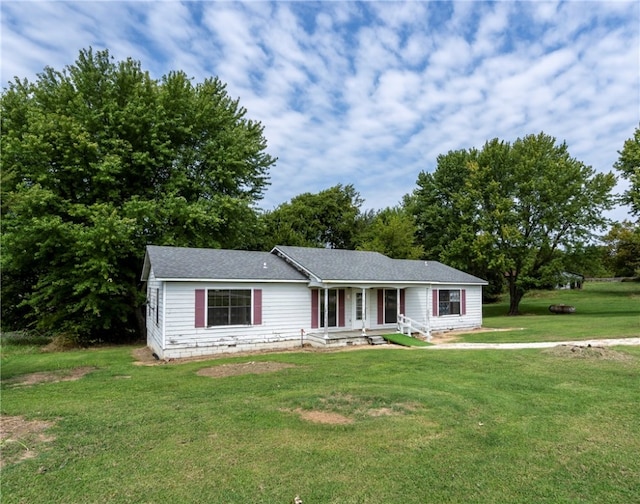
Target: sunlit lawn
<point>603,310</point>
<point>364,426</point>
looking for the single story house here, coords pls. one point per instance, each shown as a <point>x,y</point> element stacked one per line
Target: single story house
<point>206,301</point>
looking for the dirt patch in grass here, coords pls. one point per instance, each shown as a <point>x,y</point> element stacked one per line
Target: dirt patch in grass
<point>588,352</point>
<point>346,409</point>
<point>454,335</point>
<point>333,418</point>
<point>323,417</point>
<point>378,412</point>
<point>30,379</point>
<point>244,368</point>
<point>21,439</point>
<point>144,357</point>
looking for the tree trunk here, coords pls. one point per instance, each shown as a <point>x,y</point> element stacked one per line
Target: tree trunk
<point>515,296</point>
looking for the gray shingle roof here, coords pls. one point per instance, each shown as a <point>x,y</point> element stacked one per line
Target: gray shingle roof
<point>216,264</point>
<point>361,266</point>
<point>328,265</point>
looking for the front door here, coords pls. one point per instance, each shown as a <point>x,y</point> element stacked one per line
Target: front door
<point>359,315</point>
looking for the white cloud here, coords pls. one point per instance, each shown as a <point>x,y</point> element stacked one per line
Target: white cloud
<point>370,93</point>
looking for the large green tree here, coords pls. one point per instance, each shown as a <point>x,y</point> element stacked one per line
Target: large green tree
<point>623,249</point>
<point>390,231</point>
<point>629,165</point>
<point>98,160</point>
<point>509,209</point>
<point>590,260</point>
<point>329,218</point>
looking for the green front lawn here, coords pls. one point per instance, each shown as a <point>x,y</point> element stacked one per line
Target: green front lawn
<point>603,310</point>
<point>365,426</point>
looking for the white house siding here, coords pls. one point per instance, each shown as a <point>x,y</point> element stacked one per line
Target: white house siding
<point>415,304</point>
<point>372,306</point>
<point>155,309</point>
<point>419,307</point>
<point>470,320</point>
<point>286,309</point>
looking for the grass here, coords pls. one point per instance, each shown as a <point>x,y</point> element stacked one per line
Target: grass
<point>455,426</point>
<point>404,340</point>
<point>603,310</point>
<point>23,342</point>
<point>422,426</point>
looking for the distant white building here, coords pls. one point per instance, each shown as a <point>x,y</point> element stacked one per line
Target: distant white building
<point>570,281</point>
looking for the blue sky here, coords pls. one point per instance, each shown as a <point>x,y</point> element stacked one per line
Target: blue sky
<point>370,93</point>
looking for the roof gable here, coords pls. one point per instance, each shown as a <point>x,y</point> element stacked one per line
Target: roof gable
<point>336,264</point>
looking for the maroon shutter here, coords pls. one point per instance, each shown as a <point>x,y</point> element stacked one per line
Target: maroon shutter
<point>380,306</point>
<point>463,302</point>
<point>257,306</point>
<point>341,312</point>
<point>402,307</point>
<point>314,308</point>
<point>434,299</point>
<point>200,307</point>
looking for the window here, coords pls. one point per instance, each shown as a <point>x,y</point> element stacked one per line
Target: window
<point>157,304</point>
<point>449,302</point>
<point>390,303</point>
<point>390,306</point>
<point>333,309</point>
<point>358,305</point>
<point>228,307</point>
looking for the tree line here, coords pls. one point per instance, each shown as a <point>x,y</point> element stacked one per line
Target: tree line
<point>99,160</point>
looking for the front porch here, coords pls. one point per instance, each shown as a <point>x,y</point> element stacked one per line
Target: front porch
<point>344,338</point>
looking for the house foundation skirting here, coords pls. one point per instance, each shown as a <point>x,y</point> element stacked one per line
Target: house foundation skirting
<point>225,347</point>
<point>230,346</point>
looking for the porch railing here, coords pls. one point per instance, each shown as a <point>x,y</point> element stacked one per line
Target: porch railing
<point>407,326</point>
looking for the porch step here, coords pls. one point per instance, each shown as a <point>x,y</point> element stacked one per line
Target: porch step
<point>376,340</point>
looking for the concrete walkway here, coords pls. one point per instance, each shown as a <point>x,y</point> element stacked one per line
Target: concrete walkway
<point>542,344</point>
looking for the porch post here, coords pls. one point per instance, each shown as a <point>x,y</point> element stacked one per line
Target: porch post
<point>326,313</point>
<point>364,311</point>
<point>429,303</point>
